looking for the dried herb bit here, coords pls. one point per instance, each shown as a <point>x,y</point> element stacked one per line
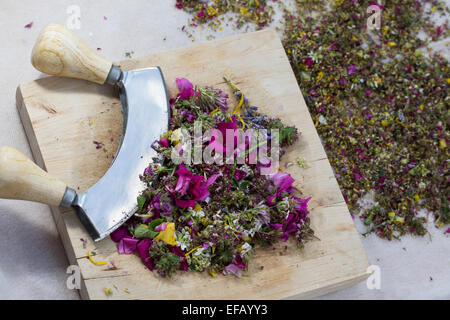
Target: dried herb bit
<point>129,54</point>
<point>108,291</point>
<point>98,145</point>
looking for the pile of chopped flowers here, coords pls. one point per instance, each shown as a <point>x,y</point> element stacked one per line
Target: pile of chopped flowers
<point>379,103</point>
<point>209,217</point>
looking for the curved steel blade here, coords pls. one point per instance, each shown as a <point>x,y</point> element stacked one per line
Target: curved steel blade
<point>112,200</point>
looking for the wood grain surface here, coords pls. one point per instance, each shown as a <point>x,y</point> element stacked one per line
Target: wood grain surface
<point>62,117</point>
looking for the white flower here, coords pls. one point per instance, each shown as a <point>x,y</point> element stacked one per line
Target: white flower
<point>246,247</point>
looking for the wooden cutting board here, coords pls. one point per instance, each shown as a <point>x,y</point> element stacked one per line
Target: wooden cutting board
<point>62,117</point>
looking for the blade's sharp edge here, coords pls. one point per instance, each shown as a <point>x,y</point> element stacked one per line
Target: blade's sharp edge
<point>112,200</point>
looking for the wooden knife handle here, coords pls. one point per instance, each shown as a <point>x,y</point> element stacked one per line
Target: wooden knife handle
<point>60,52</point>
<point>22,179</point>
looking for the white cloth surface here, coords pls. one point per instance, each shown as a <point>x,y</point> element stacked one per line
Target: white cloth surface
<point>32,259</point>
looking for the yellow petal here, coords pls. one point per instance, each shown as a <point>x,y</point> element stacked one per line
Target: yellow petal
<point>399,220</point>
<point>167,235</point>
<point>99,263</point>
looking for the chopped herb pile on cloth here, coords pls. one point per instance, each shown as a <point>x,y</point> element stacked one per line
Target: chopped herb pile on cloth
<point>379,102</point>
<point>210,217</point>
<point>212,12</point>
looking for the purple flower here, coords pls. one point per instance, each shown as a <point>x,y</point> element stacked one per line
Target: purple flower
<point>199,190</point>
<point>282,180</point>
<point>184,178</point>
<point>164,142</point>
<point>239,174</point>
<point>351,69</point>
<point>186,89</point>
<point>233,269</point>
<point>148,170</point>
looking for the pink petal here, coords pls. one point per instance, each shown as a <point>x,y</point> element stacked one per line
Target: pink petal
<point>233,269</point>
<point>162,226</point>
<point>142,247</point>
<point>164,142</point>
<point>127,245</point>
<point>185,203</point>
<point>184,84</point>
<point>119,233</point>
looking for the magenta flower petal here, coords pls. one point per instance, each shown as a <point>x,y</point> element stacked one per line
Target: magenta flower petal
<point>196,190</point>
<point>211,179</point>
<point>186,94</point>
<point>127,245</point>
<point>277,226</point>
<point>239,262</point>
<point>186,89</point>
<point>183,84</point>
<point>119,233</point>
<point>184,179</point>
<point>282,180</point>
<point>239,174</point>
<point>271,200</point>
<point>233,269</point>
<point>162,226</point>
<point>164,142</point>
<point>177,251</point>
<point>185,203</point>
<point>143,248</point>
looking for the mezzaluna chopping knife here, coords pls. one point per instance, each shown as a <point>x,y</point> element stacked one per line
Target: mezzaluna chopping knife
<point>112,200</point>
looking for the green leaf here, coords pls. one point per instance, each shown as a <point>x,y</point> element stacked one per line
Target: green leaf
<point>141,202</point>
<point>152,225</point>
<point>244,184</point>
<point>142,231</point>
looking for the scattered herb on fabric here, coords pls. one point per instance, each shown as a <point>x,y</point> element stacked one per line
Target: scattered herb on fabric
<point>379,103</point>
<point>210,217</point>
<point>243,12</point>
